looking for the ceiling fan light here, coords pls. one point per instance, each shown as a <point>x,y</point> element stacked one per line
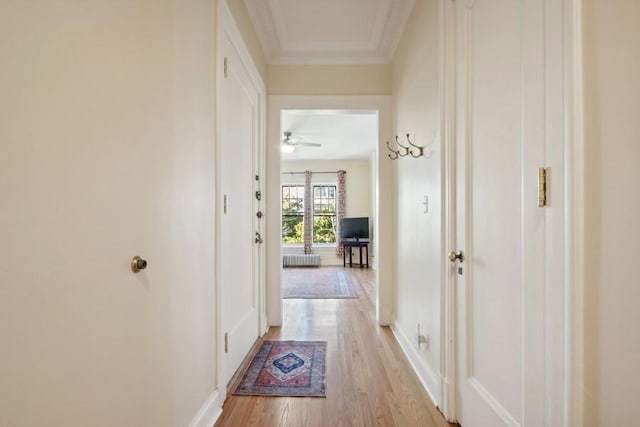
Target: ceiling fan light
<point>287,148</point>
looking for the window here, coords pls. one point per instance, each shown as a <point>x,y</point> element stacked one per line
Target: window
<point>292,213</point>
<point>324,213</point>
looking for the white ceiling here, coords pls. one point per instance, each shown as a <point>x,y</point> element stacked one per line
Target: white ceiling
<point>344,135</point>
<point>329,31</point>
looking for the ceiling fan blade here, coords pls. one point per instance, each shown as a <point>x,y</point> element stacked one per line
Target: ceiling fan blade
<point>293,141</point>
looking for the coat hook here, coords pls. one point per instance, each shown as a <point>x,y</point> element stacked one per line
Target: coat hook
<point>406,149</point>
<point>403,150</point>
<point>394,154</point>
<point>420,149</point>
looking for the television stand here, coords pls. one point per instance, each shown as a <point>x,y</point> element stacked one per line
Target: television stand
<point>350,244</point>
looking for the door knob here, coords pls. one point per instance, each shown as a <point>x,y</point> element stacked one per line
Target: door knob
<point>138,264</point>
<point>258,238</point>
<point>453,256</point>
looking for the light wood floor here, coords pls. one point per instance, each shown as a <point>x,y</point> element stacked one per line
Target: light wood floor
<point>369,380</point>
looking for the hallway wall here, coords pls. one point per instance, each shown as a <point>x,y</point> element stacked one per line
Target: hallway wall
<point>612,209</point>
<point>416,102</point>
<point>329,79</point>
<point>106,152</point>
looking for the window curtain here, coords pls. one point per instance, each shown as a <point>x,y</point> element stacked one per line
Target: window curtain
<point>340,211</point>
<point>308,213</point>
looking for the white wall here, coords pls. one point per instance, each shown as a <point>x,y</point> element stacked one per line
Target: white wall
<point>329,79</point>
<point>373,198</point>
<point>612,209</point>
<point>357,188</point>
<point>418,235</point>
<point>106,151</point>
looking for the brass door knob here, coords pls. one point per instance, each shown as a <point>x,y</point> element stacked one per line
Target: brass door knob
<point>138,264</point>
<point>453,256</point>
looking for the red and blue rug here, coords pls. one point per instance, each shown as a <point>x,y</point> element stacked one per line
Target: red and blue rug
<point>286,368</point>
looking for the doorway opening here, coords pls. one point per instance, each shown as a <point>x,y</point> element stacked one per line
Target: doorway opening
<point>327,159</point>
<point>334,152</point>
<point>327,135</point>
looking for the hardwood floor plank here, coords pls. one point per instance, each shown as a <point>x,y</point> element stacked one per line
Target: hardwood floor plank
<point>369,380</point>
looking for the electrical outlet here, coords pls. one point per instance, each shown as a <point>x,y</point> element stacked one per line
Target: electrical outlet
<point>422,339</point>
<point>425,203</point>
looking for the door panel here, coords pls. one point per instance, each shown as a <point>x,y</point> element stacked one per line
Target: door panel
<point>500,144</point>
<point>494,177</point>
<point>240,314</point>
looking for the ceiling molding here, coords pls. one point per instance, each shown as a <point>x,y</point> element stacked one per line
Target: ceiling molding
<point>337,32</point>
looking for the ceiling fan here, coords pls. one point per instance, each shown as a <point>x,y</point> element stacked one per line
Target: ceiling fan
<point>289,144</point>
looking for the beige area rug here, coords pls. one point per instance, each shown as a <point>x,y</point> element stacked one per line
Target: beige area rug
<point>314,283</point>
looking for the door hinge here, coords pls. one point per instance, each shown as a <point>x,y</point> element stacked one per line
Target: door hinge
<point>226,343</point>
<point>542,187</point>
<point>226,68</point>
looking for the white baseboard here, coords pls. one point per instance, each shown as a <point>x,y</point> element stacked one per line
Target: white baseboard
<point>427,376</point>
<point>209,412</point>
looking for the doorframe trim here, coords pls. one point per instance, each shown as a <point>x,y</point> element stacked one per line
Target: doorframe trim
<point>574,215</point>
<point>447,83</point>
<point>226,24</point>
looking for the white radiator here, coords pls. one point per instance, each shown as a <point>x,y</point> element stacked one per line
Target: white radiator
<point>308,260</point>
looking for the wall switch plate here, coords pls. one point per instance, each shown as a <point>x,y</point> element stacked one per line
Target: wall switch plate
<point>425,203</point>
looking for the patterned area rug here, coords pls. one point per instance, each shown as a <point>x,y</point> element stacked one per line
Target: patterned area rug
<point>323,283</point>
<point>286,368</point>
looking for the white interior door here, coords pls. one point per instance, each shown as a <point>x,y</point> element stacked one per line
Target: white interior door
<point>239,278</point>
<point>503,110</point>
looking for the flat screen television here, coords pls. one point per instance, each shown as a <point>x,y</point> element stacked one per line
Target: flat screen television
<point>355,228</point>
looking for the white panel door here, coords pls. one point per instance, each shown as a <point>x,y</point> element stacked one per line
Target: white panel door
<point>502,113</point>
<point>239,278</point>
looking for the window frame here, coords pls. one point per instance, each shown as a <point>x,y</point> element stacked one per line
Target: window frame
<point>334,214</point>
<point>283,215</point>
<point>300,183</point>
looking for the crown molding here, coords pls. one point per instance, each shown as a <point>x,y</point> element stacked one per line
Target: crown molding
<point>383,31</point>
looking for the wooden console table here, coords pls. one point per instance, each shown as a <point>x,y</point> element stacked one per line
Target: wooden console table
<point>349,245</point>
